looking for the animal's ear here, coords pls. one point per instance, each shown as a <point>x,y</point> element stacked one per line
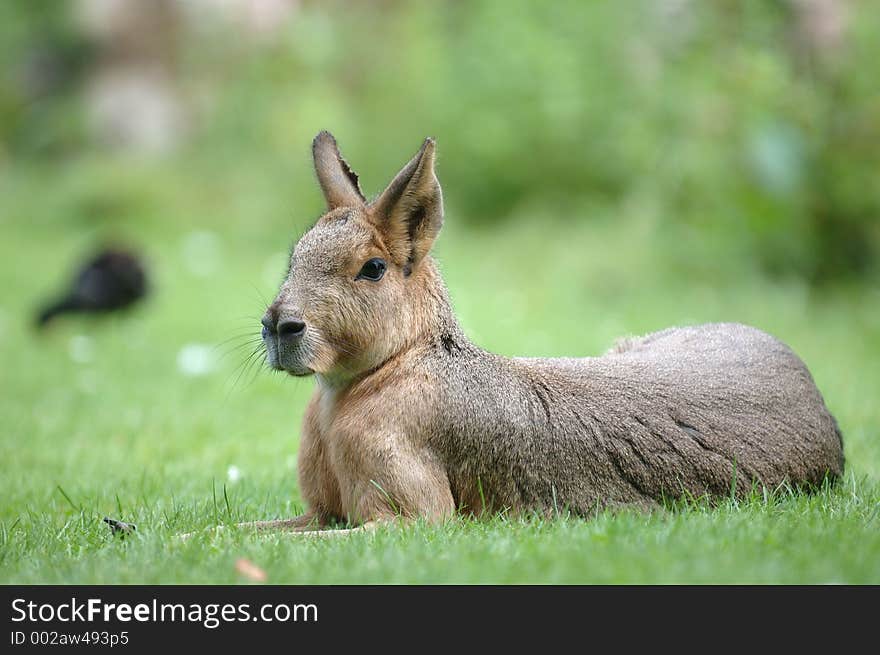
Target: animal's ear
<point>409,213</point>
<point>338,182</point>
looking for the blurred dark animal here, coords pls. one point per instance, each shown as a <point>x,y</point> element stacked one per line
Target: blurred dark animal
<point>111,280</point>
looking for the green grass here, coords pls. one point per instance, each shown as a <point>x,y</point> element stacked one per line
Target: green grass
<point>829,538</point>
<point>97,418</point>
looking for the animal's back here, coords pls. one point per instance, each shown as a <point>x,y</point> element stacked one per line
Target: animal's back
<point>685,411</point>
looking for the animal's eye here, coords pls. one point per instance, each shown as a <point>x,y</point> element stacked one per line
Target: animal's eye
<point>373,270</point>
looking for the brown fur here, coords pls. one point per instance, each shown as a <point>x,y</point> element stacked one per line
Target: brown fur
<point>409,418</point>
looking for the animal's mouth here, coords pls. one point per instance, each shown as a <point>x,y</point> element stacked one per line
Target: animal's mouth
<point>296,370</point>
<point>293,360</point>
<point>299,374</point>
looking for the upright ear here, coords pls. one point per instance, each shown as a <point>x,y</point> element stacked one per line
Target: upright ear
<point>409,213</point>
<point>338,182</point>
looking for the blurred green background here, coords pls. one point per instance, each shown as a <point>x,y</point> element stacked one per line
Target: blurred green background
<point>609,168</point>
<point>746,130</point>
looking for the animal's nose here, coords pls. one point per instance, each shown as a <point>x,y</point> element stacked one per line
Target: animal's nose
<point>290,328</point>
<point>286,327</point>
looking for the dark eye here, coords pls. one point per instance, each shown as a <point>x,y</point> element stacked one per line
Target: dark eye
<point>373,270</point>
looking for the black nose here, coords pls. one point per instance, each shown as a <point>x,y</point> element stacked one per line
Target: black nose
<point>290,328</point>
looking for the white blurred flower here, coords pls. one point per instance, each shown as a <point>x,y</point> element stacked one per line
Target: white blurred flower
<point>233,473</point>
<point>201,252</point>
<point>81,349</point>
<point>196,359</point>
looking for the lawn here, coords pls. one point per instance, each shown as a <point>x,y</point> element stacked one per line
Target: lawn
<point>155,416</point>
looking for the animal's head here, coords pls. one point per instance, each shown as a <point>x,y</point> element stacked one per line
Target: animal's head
<point>355,291</point>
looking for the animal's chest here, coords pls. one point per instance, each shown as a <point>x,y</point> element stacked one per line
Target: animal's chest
<point>330,432</point>
<point>344,444</point>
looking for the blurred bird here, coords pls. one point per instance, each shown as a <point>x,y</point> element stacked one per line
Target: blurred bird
<point>111,280</point>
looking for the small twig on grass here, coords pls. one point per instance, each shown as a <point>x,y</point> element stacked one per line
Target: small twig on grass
<point>120,528</point>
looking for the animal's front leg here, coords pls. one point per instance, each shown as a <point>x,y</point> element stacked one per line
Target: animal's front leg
<point>308,521</point>
<point>306,533</point>
<point>392,484</point>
